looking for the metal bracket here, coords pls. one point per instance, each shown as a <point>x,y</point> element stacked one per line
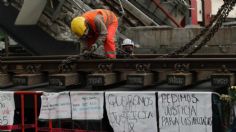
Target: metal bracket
<point>33,68</point>
<point>181,67</point>
<point>143,67</point>
<point>223,69</point>
<point>63,68</point>
<point>103,68</point>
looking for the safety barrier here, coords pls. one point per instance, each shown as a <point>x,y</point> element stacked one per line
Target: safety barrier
<point>27,112</point>
<point>28,104</point>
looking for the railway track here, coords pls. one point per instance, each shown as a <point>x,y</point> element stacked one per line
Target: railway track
<point>142,71</point>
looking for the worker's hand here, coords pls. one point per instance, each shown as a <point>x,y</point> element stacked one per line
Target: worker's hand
<point>86,53</point>
<point>94,47</point>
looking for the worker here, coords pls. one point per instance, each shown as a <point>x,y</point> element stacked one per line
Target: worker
<point>128,46</point>
<point>97,27</point>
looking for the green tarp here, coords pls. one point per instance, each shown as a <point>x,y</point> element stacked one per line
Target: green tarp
<point>2,35</point>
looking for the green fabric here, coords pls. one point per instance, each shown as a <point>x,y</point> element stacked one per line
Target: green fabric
<point>2,35</point>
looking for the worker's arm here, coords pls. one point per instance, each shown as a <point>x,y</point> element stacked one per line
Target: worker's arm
<point>102,30</point>
<point>83,46</point>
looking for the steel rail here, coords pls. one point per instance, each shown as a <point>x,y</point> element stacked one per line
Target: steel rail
<point>156,64</point>
<point>141,56</point>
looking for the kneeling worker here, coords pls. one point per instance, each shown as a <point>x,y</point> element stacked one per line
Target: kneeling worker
<point>96,28</point>
<point>128,46</point>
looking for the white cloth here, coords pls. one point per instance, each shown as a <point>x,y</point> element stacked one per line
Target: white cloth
<point>87,105</point>
<point>132,111</point>
<point>7,108</point>
<point>185,111</point>
<point>55,106</point>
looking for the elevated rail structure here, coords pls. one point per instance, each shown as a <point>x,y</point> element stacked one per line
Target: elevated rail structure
<point>140,70</point>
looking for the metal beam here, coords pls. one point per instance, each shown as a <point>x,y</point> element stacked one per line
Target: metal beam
<point>121,64</point>
<point>30,12</point>
<point>166,13</point>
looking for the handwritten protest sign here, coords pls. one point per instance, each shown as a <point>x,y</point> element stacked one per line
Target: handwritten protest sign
<point>132,112</point>
<point>7,108</point>
<point>185,112</point>
<point>87,105</point>
<point>55,106</point>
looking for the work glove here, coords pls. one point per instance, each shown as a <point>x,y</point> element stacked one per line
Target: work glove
<point>93,47</point>
<point>86,53</point>
<point>96,45</point>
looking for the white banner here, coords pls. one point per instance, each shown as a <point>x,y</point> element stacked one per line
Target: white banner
<point>7,108</point>
<point>87,105</point>
<point>55,106</point>
<point>185,111</point>
<point>132,112</point>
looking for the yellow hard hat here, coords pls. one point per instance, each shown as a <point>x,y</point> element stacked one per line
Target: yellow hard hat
<point>78,26</point>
